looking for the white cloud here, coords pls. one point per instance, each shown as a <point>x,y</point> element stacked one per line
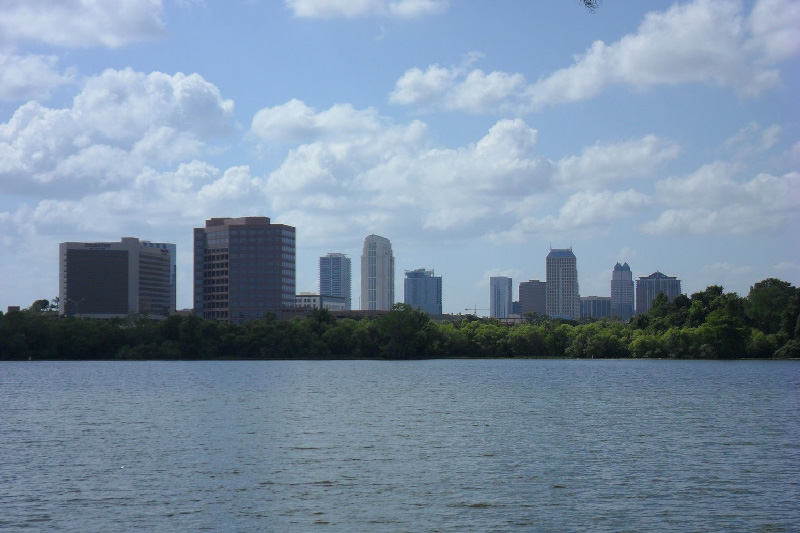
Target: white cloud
<point>583,212</point>
<point>775,28</point>
<point>120,122</point>
<point>364,168</point>
<point>753,139</point>
<point>607,163</point>
<point>359,8</point>
<point>78,23</point>
<point>457,88</point>
<point>711,200</point>
<point>417,87</point>
<point>704,41</point>
<point>30,76</point>
<point>295,122</point>
<point>711,185</point>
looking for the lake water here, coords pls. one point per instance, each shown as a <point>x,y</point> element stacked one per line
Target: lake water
<point>447,445</point>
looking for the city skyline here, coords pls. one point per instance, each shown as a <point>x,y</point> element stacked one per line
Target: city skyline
<point>474,136</point>
<point>228,249</point>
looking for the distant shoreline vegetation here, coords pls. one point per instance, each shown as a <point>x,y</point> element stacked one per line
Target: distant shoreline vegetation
<point>710,324</point>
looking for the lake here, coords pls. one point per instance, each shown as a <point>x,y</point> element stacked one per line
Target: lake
<point>442,445</point>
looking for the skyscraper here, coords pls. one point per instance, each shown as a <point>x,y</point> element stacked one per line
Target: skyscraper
<point>377,274</point>
<point>499,297</point>
<point>244,268</point>
<point>334,277</point>
<point>423,291</point>
<point>648,287</point>
<point>533,297</point>
<point>563,296</point>
<point>622,291</point>
<point>114,279</point>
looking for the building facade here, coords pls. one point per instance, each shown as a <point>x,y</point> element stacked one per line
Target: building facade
<point>244,268</point>
<point>533,297</point>
<point>622,296</point>
<point>335,276</point>
<point>595,306</point>
<point>320,301</point>
<point>115,279</point>
<point>500,297</point>
<point>563,295</point>
<point>422,290</point>
<point>377,274</point>
<point>648,287</point>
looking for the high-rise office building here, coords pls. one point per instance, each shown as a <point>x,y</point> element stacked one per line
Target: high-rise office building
<point>648,287</point>
<point>335,276</point>
<point>423,290</point>
<point>622,291</point>
<point>377,274</point>
<point>114,279</point>
<point>533,297</point>
<point>499,297</point>
<point>563,296</point>
<point>244,268</point>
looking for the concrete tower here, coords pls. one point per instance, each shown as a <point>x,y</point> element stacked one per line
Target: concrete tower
<point>622,292</point>
<point>377,274</point>
<point>563,296</point>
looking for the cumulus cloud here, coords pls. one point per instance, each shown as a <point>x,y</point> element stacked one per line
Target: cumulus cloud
<point>359,8</point>
<point>456,88</point>
<point>753,139</point>
<point>30,76</point>
<point>352,163</point>
<point>583,212</point>
<point>120,122</point>
<point>607,163</point>
<point>712,200</point>
<point>775,29</point>
<point>704,41</point>
<point>295,122</point>
<point>79,23</point>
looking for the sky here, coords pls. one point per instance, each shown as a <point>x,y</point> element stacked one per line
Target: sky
<point>475,135</point>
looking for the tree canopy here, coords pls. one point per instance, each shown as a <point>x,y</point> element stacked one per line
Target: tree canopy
<point>710,324</point>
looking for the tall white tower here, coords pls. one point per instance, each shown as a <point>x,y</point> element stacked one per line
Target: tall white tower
<point>377,274</point>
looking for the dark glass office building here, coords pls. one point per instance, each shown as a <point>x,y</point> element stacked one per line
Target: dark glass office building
<point>244,268</point>
<point>423,290</point>
<point>334,277</point>
<point>115,279</point>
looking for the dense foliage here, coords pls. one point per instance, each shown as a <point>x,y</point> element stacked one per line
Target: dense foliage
<point>710,324</point>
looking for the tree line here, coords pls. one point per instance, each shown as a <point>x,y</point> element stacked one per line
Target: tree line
<point>710,324</point>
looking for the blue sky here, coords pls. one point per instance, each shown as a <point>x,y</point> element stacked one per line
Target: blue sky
<point>474,135</point>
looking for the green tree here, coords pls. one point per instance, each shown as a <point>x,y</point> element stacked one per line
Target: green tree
<point>766,303</point>
<point>647,345</point>
<point>39,305</point>
<point>790,318</point>
<point>527,341</point>
<point>403,332</point>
